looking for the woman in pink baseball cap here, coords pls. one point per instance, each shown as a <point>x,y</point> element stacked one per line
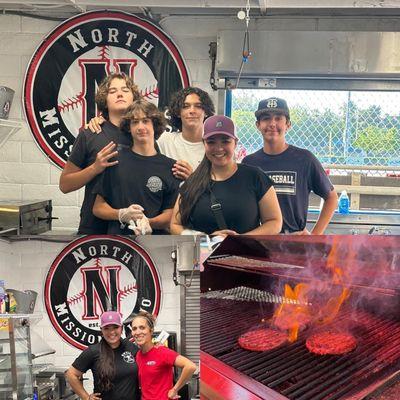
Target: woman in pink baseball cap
<point>112,362</point>
<point>223,197</point>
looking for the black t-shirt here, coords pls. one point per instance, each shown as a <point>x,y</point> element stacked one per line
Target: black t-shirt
<point>295,173</point>
<point>125,382</point>
<point>239,196</point>
<point>83,154</point>
<point>137,179</point>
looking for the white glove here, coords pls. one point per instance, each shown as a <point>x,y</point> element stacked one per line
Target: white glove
<point>141,226</point>
<point>132,213</point>
<point>191,232</point>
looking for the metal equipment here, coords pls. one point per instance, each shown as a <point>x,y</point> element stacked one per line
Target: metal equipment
<point>25,217</point>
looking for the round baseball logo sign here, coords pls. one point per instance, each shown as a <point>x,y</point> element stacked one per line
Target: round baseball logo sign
<point>66,69</point>
<point>95,274</point>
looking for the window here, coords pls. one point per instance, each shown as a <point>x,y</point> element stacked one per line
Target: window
<point>352,128</point>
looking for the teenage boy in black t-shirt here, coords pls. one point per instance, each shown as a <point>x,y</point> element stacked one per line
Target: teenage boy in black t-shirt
<point>92,154</point>
<point>295,171</point>
<point>142,181</point>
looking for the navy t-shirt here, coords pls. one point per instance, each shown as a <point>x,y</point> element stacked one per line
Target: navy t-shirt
<point>295,173</point>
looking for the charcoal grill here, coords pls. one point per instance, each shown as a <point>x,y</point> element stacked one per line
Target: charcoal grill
<point>241,286</point>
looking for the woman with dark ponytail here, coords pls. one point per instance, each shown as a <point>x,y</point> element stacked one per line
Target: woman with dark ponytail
<point>112,362</point>
<point>222,197</point>
<point>156,362</point>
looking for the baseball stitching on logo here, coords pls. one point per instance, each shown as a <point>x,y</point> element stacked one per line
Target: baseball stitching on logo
<point>75,299</point>
<point>104,53</point>
<point>150,93</point>
<point>70,104</point>
<point>128,290</point>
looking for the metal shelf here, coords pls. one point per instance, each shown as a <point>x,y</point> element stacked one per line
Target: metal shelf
<point>6,340</point>
<point>16,363</point>
<point>34,316</point>
<point>8,128</point>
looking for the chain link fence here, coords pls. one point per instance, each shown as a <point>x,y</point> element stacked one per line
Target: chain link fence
<point>344,129</point>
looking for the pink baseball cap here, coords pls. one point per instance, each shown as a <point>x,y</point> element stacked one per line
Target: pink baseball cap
<point>110,318</point>
<point>219,125</point>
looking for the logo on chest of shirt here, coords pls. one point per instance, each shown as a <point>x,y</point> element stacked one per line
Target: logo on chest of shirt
<point>128,357</point>
<point>154,184</point>
<point>67,67</point>
<point>151,363</point>
<point>94,274</point>
<point>284,181</point>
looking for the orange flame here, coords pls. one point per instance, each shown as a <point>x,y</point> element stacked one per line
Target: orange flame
<point>291,315</point>
<point>332,307</point>
<point>294,313</point>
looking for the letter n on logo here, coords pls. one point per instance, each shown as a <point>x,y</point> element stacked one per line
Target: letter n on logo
<point>100,293</point>
<point>93,71</point>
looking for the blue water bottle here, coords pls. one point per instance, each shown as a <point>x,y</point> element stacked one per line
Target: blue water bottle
<point>35,392</point>
<point>344,203</point>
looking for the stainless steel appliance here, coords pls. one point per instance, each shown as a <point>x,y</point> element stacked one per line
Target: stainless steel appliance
<point>25,217</point>
<point>52,385</point>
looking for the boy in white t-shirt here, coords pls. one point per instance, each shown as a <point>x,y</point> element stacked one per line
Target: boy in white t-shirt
<point>188,109</point>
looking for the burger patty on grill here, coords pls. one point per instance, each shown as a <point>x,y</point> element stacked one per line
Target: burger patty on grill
<point>262,339</point>
<point>330,342</point>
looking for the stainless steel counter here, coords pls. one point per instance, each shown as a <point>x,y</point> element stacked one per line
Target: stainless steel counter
<point>360,222</point>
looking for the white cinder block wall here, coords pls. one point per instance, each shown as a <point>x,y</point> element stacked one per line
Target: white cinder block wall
<point>24,265</point>
<point>25,172</point>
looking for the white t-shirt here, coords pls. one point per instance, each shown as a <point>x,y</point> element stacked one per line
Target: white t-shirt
<point>173,145</point>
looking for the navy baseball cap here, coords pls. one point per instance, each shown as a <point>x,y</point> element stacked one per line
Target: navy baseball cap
<point>219,125</point>
<point>272,105</point>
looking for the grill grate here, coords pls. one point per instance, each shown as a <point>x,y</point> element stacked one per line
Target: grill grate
<point>243,293</point>
<point>256,264</point>
<point>291,369</point>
